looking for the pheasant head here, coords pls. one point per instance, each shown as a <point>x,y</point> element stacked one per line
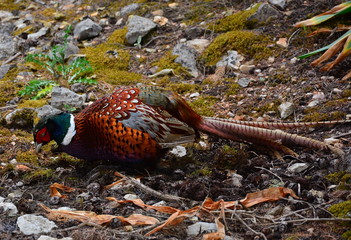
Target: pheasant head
<point>59,127</point>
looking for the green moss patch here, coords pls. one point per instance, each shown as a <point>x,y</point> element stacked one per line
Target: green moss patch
<point>29,157</point>
<point>236,21</point>
<point>204,105</point>
<point>245,42</point>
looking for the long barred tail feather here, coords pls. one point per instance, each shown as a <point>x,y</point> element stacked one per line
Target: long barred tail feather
<point>280,125</point>
<point>260,135</point>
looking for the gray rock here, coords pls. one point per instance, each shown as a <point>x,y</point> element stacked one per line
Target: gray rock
<point>186,57</point>
<point>42,32</point>
<point>286,109</point>
<point>4,69</point>
<point>298,167</point>
<point>138,27</point>
<point>5,14</point>
<point>8,46</point>
<point>201,227</point>
<point>8,208</point>
<point>179,151</point>
<point>86,29</point>
<point>6,28</point>
<point>45,237</point>
<point>20,118</point>
<point>62,97</point>
<point>70,50</point>
<point>194,32</point>
<point>236,178</point>
<point>198,44</point>
<point>265,13</point>
<point>33,224</point>
<point>47,110</point>
<point>278,3</point>
<point>244,82</point>
<point>129,8</point>
<point>232,60</point>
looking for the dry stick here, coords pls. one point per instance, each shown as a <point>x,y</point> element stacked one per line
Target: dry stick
<point>153,192</point>
<point>11,58</point>
<point>247,226</point>
<point>7,107</point>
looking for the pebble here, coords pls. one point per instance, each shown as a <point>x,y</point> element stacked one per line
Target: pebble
<point>179,151</point>
<point>286,109</point>
<point>130,196</point>
<point>244,82</point>
<point>201,227</point>
<point>236,179</point>
<point>298,167</point>
<point>33,224</point>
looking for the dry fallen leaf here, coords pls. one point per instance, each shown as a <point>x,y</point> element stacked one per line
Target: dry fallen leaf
<point>219,235</point>
<point>270,194</point>
<point>54,192</point>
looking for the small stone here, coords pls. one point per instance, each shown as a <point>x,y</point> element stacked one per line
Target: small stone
<point>278,3</point>
<point>201,227</point>
<point>198,44</point>
<point>293,60</point>
<point>236,178</point>
<point>194,95</point>
<point>298,167</point>
<point>129,8</point>
<point>9,208</point>
<point>42,32</point>
<point>282,42</point>
<point>246,68</point>
<point>179,151</point>
<point>19,184</point>
<point>159,204</point>
<point>232,60</point>
<point>33,224</point>
<point>86,29</point>
<point>45,237</point>
<point>244,82</point>
<point>94,187</point>
<point>158,12</point>
<point>130,196</point>
<point>138,27</point>
<point>160,20</point>
<point>286,109</point>
<point>271,59</point>
<point>173,5</point>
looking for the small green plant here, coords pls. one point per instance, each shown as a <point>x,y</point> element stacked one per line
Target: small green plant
<point>62,71</point>
<point>341,45</point>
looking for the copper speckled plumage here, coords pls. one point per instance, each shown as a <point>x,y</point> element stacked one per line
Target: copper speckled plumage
<point>136,125</point>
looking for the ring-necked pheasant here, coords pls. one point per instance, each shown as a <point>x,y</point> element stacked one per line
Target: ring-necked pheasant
<point>136,125</point>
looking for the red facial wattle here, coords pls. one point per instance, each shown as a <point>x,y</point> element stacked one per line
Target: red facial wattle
<point>42,136</point>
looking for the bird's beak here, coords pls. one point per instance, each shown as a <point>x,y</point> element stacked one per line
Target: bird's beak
<point>38,147</point>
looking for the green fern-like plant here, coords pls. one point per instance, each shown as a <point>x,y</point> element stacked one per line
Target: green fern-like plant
<point>62,72</point>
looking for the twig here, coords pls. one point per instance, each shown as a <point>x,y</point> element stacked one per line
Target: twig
<point>281,180</point>
<point>153,192</point>
<point>247,226</point>
<point>11,58</point>
<point>7,107</point>
<point>79,226</point>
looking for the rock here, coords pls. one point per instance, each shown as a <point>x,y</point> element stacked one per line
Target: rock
<point>236,178</point>
<point>160,20</point>
<point>45,237</point>
<point>5,15</point>
<point>21,118</point>
<point>128,9</point>
<point>232,60</point>
<point>46,110</point>
<point>158,12</point>
<point>278,3</point>
<point>286,109</point>
<point>70,49</point>
<point>298,167</point>
<point>201,227</point>
<point>8,208</point>
<point>265,13</point>
<point>194,95</point>
<point>42,32</point>
<point>130,196</point>
<point>282,42</point>
<point>33,224</point>
<point>86,29</point>
<point>198,44</point>
<point>244,82</point>
<point>4,69</point>
<point>8,46</point>
<point>138,27</point>
<point>186,57</point>
<point>62,97</point>
<point>194,32</point>
<point>78,87</point>
<point>179,151</point>
<point>246,68</point>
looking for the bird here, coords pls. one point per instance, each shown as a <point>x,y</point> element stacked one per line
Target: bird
<point>137,125</point>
